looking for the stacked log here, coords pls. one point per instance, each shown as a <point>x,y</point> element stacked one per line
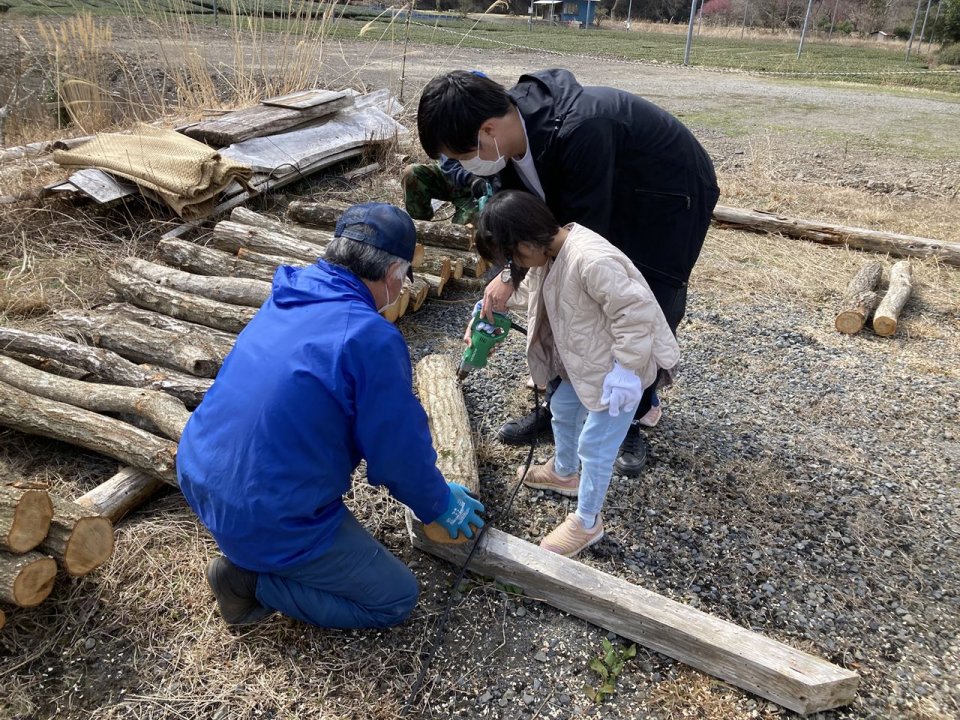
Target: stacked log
<point>40,533</point>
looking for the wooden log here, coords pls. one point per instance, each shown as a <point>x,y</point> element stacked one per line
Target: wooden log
<point>236,291</point>
<point>263,120</point>
<point>791,678</point>
<point>231,236</point>
<point>121,494</point>
<point>79,539</point>
<point>854,237</point>
<point>246,216</point>
<point>270,261</point>
<point>3,619</point>
<point>26,580</point>
<point>325,215</point>
<point>34,415</point>
<point>105,364</point>
<point>181,305</point>
<point>210,261</point>
<point>438,265</point>
<point>24,518</point>
<point>405,298</point>
<point>419,291</point>
<point>442,399</point>
<point>470,264</point>
<point>435,283</point>
<point>418,255</point>
<point>164,411</point>
<point>115,330</point>
<point>888,313</point>
<point>859,299</point>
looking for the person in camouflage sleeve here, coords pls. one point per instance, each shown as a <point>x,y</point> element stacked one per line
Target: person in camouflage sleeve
<point>446,180</point>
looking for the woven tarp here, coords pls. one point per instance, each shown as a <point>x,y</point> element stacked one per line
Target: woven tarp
<point>186,174</point>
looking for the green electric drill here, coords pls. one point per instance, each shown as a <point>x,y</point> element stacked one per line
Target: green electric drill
<point>483,336</point>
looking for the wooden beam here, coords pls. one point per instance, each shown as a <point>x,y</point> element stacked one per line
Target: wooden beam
<point>854,237</point>
<point>791,678</point>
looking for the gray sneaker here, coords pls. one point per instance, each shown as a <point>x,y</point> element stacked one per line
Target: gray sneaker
<point>236,592</point>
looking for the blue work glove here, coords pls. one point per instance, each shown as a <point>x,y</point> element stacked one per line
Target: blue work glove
<point>622,389</point>
<point>462,512</point>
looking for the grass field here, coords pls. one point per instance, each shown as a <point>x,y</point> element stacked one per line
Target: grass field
<point>844,61</point>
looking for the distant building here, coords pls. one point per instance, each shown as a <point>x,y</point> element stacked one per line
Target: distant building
<point>574,12</point>
<point>881,36</point>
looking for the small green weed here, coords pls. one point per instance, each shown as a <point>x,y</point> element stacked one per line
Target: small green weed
<point>608,668</point>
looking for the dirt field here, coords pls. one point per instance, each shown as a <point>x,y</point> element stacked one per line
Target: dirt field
<point>803,483</point>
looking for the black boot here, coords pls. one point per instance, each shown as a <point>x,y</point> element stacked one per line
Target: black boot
<point>633,453</point>
<point>523,430</point>
<point>236,592</point>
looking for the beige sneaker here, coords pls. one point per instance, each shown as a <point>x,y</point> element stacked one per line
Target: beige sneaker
<point>569,538</point>
<point>544,477</point>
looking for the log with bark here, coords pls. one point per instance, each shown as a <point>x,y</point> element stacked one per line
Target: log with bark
<point>121,494</point>
<point>246,216</point>
<point>79,539</point>
<point>435,283</point>
<point>25,515</point>
<point>860,299</point>
<point>104,364</point>
<point>35,415</point>
<point>176,303</point>
<point>442,399</point>
<point>168,414</point>
<point>235,291</point>
<point>3,619</point>
<point>210,261</point>
<point>26,580</point>
<point>419,292</point>
<point>888,312</point>
<point>325,215</point>
<point>438,265</point>
<point>231,236</point>
<point>470,264</point>
<point>269,261</point>
<point>854,237</point>
<point>115,328</point>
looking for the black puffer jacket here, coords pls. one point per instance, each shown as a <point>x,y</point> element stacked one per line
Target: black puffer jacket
<point>621,166</point>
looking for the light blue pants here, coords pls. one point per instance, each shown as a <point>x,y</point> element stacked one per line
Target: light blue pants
<point>586,440</point>
<point>356,583</point>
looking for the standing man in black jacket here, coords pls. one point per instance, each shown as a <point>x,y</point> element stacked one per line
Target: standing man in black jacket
<point>598,156</point>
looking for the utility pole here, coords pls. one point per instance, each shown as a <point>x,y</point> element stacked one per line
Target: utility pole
<point>913,30</point>
<point>833,20</point>
<point>803,33</point>
<point>743,27</point>
<point>923,28</point>
<point>629,8</point>
<point>693,19</point>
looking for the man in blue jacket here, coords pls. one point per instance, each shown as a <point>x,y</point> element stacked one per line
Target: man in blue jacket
<point>598,156</point>
<point>316,382</point>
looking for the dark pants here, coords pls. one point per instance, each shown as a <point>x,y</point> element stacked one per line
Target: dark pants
<point>425,182</point>
<point>356,583</point>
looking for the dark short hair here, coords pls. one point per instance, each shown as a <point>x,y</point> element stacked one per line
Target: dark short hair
<point>452,109</point>
<point>511,217</point>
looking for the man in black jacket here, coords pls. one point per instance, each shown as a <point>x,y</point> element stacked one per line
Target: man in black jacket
<point>598,156</point>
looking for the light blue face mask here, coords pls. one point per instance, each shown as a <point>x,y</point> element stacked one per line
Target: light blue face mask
<point>485,168</point>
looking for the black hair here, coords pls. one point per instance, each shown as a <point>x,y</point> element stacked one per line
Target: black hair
<point>452,109</point>
<point>511,217</point>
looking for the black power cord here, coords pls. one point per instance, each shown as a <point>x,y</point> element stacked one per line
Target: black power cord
<point>442,624</point>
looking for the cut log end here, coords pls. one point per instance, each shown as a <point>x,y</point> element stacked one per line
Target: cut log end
<point>33,581</point>
<point>89,546</point>
<point>849,322</point>
<point>29,521</point>
<point>885,326</point>
<point>435,532</point>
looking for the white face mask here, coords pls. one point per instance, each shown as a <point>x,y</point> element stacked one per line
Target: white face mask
<point>485,168</point>
<point>389,302</point>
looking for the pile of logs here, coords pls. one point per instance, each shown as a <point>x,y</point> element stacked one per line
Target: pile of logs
<point>861,299</point>
<point>38,534</point>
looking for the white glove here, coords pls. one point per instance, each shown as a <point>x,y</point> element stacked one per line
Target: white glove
<point>622,389</point>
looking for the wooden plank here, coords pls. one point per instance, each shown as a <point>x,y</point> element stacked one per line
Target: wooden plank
<point>791,678</point>
<point>102,186</point>
<point>303,99</point>
<point>262,120</point>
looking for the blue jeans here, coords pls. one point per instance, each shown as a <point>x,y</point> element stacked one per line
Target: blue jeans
<point>586,440</point>
<point>356,583</point>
